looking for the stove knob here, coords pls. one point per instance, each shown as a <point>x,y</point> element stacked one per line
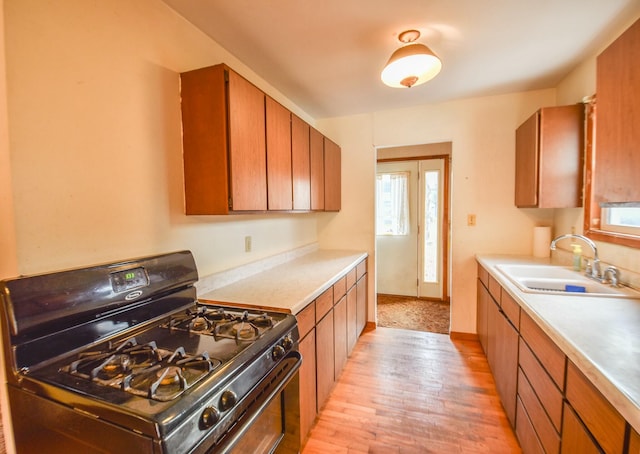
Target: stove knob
<point>287,342</point>
<point>210,416</point>
<point>228,400</point>
<point>277,352</point>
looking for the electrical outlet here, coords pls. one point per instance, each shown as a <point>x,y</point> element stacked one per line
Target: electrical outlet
<point>247,244</point>
<point>471,219</point>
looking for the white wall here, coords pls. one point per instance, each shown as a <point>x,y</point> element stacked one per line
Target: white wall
<point>482,131</point>
<point>95,139</point>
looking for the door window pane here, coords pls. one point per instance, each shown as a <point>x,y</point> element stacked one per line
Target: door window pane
<point>431,231</point>
<point>392,203</point>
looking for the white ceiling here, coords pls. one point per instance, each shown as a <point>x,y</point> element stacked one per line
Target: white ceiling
<point>326,55</point>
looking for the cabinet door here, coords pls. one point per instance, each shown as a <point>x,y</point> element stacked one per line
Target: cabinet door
<point>324,358</point>
<point>340,336</point>
<point>300,164</point>
<point>308,406</point>
<point>361,310</point>
<point>482,317</point>
<point>279,172</point>
<point>204,139</point>
<point>527,437</point>
<point>527,162</point>
<point>247,146</point>
<point>316,150</point>
<point>549,148</point>
<point>575,437</point>
<point>634,442</point>
<point>332,176</point>
<point>352,318</point>
<point>615,176</point>
<point>599,416</point>
<point>506,365</point>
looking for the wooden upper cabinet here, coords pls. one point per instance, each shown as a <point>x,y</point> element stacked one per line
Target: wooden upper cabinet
<point>224,147</point>
<point>615,177</point>
<point>247,156</point>
<point>549,157</point>
<point>316,153</point>
<point>300,164</point>
<point>245,152</point>
<point>332,176</point>
<point>279,171</point>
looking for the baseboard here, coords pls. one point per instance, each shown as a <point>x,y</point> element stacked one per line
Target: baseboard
<point>463,336</point>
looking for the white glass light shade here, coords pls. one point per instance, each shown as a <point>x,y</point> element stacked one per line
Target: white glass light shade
<point>411,65</point>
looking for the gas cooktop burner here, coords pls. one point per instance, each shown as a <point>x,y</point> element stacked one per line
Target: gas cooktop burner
<point>144,370</point>
<point>222,324</point>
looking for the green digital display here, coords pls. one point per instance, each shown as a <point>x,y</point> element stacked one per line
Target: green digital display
<point>130,275</point>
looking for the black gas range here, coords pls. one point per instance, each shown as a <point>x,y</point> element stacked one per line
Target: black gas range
<point>122,357</point>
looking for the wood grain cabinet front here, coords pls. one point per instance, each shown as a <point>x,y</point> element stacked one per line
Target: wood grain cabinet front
<point>603,421</point>
<point>224,144</point>
<point>549,148</point>
<point>557,408</point>
<point>328,330</point>
<point>279,164</point>
<point>244,152</point>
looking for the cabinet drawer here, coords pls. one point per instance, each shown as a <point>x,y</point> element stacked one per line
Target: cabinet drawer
<point>542,384</point>
<point>483,275</point>
<point>494,288</point>
<point>525,432</point>
<point>306,319</point>
<point>602,420</point>
<point>634,442</point>
<point>575,437</point>
<point>544,348</point>
<point>351,278</point>
<point>361,269</point>
<point>510,308</point>
<point>339,289</point>
<point>324,303</point>
<point>547,434</point>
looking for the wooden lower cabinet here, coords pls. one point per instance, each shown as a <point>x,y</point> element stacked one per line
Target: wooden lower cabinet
<point>557,408</point>
<point>501,347</point>
<point>506,365</point>
<point>352,319</point>
<point>361,300</point>
<point>340,336</point>
<point>602,420</point>
<point>575,436</point>
<point>308,404</point>
<point>329,328</point>
<point>525,432</point>
<point>325,351</point>
<point>483,306</point>
<point>634,442</point>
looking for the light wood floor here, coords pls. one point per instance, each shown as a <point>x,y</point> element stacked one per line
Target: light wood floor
<point>413,392</point>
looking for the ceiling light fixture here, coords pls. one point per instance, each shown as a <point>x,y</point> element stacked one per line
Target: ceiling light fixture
<point>412,64</point>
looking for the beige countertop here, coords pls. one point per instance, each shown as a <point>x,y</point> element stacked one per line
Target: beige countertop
<point>601,336</point>
<point>288,286</point>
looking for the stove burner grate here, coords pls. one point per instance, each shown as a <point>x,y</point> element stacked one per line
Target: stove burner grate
<point>144,370</point>
<point>222,324</point>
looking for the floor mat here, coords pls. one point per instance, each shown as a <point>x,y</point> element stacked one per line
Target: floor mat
<point>414,314</point>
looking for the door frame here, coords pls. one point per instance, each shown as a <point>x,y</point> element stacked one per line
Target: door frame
<point>446,223</point>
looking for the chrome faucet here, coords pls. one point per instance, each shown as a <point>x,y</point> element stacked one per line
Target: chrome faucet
<point>593,270</point>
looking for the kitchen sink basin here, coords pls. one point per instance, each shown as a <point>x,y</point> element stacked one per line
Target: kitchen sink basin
<point>560,280</point>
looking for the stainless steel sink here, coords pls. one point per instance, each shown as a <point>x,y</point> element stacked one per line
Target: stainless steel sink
<point>560,280</point>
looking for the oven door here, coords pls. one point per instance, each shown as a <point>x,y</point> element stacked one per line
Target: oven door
<point>271,421</point>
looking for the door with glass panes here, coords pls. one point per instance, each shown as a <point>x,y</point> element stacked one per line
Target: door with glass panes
<point>409,213</point>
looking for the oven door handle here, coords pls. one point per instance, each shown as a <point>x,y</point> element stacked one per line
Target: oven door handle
<point>232,438</point>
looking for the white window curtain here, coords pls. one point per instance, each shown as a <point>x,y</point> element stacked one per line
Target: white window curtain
<point>392,199</point>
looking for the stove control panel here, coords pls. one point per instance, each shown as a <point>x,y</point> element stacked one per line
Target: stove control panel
<point>125,280</point>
